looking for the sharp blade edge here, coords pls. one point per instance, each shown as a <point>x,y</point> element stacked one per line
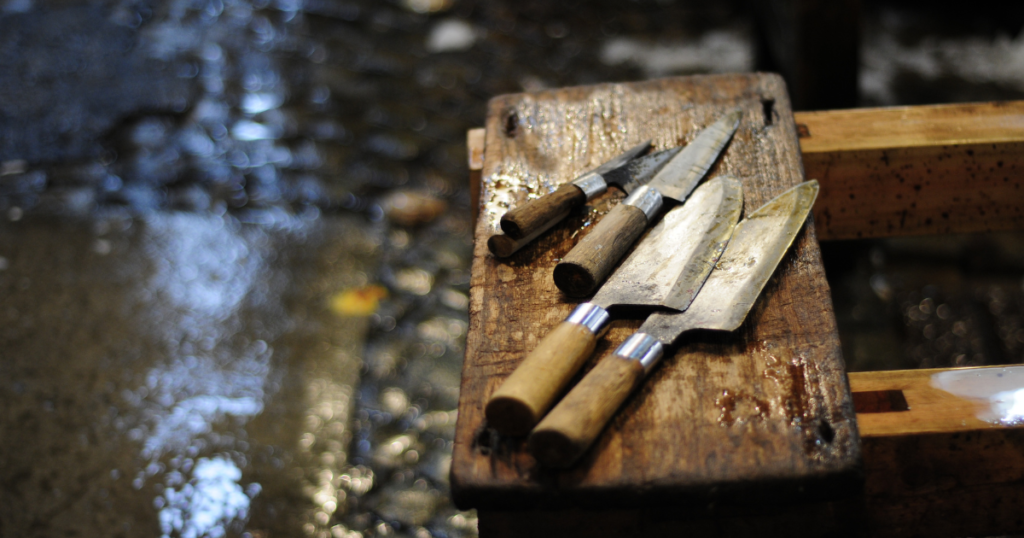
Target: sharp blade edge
<point>758,245</point>
<point>678,178</point>
<point>622,159</point>
<point>641,170</point>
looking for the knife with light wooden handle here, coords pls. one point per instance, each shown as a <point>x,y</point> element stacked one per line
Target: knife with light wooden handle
<point>592,259</point>
<point>758,245</point>
<point>665,271</point>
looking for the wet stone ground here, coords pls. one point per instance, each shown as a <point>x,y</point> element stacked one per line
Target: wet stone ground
<point>235,244</point>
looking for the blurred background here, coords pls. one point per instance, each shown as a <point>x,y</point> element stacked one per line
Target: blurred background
<point>235,235</point>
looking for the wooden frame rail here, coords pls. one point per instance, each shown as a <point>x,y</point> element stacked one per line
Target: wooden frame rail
<point>939,459</point>
<point>903,170</point>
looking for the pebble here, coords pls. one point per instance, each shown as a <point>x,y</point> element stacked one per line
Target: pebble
<point>407,208</point>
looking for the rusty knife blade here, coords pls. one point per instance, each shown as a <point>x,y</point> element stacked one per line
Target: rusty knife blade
<point>679,176</point>
<point>758,244</point>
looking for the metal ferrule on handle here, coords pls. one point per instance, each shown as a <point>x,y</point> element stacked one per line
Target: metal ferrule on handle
<point>646,199</point>
<point>591,183</point>
<point>643,348</point>
<point>589,315</point>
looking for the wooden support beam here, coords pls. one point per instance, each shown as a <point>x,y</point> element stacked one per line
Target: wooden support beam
<point>915,170</point>
<point>933,467</point>
<point>950,461</point>
<point>909,170</point>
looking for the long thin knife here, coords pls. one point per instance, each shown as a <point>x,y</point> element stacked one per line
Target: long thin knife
<point>666,270</point>
<point>593,258</point>
<point>536,217</point>
<point>758,245</point>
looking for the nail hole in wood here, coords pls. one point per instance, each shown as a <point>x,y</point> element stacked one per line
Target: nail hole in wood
<point>511,124</point>
<point>880,401</point>
<point>768,108</point>
<point>485,439</point>
<point>826,432</point>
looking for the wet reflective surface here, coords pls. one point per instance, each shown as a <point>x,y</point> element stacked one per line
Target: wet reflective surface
<point>234,245</point>
<point>153,368</point>
<point>999,390</point>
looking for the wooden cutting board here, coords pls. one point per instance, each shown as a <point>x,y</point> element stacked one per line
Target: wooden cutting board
<point>760,415</point>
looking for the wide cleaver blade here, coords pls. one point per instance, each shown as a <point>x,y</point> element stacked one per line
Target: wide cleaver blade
<point>665,270</point>
<point>758,244</point>
<point>757,247</point>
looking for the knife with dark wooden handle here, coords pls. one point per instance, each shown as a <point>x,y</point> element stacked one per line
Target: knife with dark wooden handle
<point>537,215</point>
<point>628,178</point>
<point>590,262</point>
<point>758,245</point>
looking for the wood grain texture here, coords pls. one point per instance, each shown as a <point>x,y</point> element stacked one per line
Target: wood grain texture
<point>763,411</point>
<point>934,469</point>
<point>930,408</point>
<point>535,385</point>
<point>945,466</point>
<point>916,170</point>
<point>820,520</point>
<point>540,214</point>
<point>592,260</point>
<point>575,422</point>
<point>927,126</point>
<point>945,484</point>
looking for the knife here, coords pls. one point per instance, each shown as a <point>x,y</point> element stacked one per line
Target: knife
<point>538,215</point>
<point>587,265</point>
<point>758,245</point>
<point>666,270</point>
<point>524,224</point>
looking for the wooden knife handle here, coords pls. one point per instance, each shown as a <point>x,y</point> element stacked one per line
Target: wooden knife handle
<point>503,246</point>
<point>590,262</point>
<point>532,388</point>
<point>538,215</point>
<point>571,427</point>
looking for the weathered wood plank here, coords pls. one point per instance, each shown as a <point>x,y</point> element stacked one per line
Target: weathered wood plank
<point>729,416</point>
<point>831,131</point>
<point>952,462</point>
<point>914,170</point>
<point>946,400</point>
<point>821,520</point>
<point>933,467</point>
